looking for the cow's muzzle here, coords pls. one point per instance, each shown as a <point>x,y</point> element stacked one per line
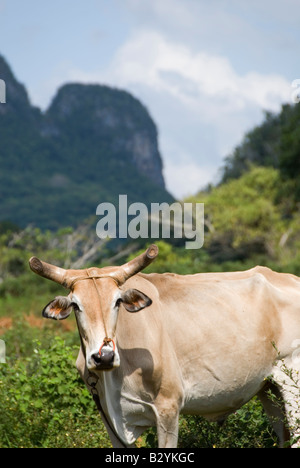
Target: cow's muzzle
<point>104,359</point>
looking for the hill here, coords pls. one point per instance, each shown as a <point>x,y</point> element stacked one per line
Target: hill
<point>275,143</point>
<point>92,144</point>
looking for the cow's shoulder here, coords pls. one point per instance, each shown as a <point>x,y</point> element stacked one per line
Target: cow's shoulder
<point>278,279</point>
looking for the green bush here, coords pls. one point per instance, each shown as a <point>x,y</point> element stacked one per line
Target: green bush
<point>44,402</point>
<point>248,427</point>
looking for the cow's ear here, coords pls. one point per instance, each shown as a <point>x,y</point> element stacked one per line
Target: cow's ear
<point>58,309</point>
<point>134,300</point>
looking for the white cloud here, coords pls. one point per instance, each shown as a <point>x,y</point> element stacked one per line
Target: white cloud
<point>149,59</point>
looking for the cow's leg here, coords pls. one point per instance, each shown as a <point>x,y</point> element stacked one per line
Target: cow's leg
<point>167,431</point>
<point>167,417</point>
<point>275,411</point>
<point>287,378</point>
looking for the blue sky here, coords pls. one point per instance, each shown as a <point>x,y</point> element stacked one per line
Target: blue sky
<point>206,71</point>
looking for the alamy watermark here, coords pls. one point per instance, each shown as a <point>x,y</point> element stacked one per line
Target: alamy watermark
<point>162,221</point>
<point>2,352</point>
<point>2,92</point>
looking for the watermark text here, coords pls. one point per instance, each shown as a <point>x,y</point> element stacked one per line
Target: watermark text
<point>2,92</point>
<point>162,221</point>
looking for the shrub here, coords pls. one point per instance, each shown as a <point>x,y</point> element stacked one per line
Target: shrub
<point>44,402</point>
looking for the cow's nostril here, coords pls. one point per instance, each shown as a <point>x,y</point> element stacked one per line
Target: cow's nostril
<point>104,360</point>
<point>97,358</point>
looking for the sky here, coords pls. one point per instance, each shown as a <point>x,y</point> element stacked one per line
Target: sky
<point>206,70</point>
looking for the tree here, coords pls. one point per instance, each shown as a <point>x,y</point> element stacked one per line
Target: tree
<point>243,216</point>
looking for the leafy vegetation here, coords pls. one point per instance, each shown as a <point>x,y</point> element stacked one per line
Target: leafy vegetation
<point>44,402</point>
<point>249,220</point>
<point>275,143</point>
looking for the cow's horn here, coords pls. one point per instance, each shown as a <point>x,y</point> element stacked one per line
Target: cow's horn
<point>48,271</point>
<point>139,263</point>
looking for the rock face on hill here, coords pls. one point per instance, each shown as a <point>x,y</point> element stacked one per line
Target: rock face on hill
<point>92,144</point>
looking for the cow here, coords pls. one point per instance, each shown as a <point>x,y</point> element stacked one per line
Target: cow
<point>157,345</point>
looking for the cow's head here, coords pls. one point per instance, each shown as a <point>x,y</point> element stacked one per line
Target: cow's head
<point>96,297</point>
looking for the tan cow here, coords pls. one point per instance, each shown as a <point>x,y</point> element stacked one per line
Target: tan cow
<point>157,345</point>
